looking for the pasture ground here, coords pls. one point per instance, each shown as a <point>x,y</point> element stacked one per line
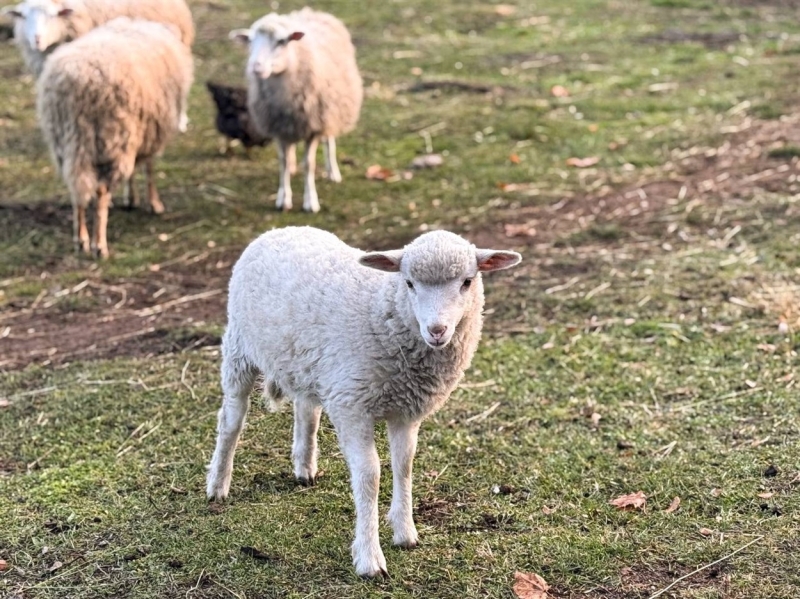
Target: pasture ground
<point>647,343</point>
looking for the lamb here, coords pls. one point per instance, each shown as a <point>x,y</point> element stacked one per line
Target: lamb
<point>364,337</point>
<point>110,98</point>
<point>304,86</point>
<point>42,25</point>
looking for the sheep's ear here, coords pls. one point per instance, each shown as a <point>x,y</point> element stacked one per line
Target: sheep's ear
<point>11,11</point>
<point>490,260</point>
<point>385,261</point>
<point>65,12</point>
<point>240,35</point>
<point>297,35</point>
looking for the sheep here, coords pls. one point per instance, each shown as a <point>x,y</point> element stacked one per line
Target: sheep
<point>233,119</point>
<point>304,86</point>
<point>40,26</point>
<point>387,342</point>
<point>110,98</point>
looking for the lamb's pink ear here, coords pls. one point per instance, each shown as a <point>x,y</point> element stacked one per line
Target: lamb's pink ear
<point>385,261</point>
<point>240,35</point>
<point>297,35</point>
<point>65,12</point>
<point>489,260</point>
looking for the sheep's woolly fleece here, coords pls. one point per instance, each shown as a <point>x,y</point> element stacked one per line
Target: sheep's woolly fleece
<point>111,97</point>
<point>320,326</point>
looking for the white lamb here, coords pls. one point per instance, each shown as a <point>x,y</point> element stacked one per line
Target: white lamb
<point>304,85</point>
<point>363,336</point>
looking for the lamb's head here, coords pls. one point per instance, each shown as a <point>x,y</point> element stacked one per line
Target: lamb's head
<point>440,274</point>
<point>269,38</point>
<point>41,22</point>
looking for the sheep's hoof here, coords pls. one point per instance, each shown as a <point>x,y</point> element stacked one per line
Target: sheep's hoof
<point>407,545</point>
<point>382,573</point>
<point>307,481</point>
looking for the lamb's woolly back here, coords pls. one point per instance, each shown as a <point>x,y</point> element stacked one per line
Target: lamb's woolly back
<point>89,14</point>
<point>322,94</point>
<point>114,95</point>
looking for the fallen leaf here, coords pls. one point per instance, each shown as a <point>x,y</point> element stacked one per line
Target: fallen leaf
<point>427,161</point>
<point>593,128</point>
<point>595,419</point>
<point>505,10</point>
<point>530,586</point>
<point>633,501</point>
<point>163,237</point>
<point>432,473</point>
<point>583,162</point>
<point>783,328</point>
<point>178,490</point>
<point>525,230</point>
<point>257,554</point>
<point>4,403</point>
<point>3,565</point>
<point>716,492</point>
<point>377,173</point>
<point>765,495</point>
<point>514,158</point>
<point>559,91</point>
<point>676,503</point>
<point>706,532</point>
<point>154,267</point>
<point>55,566</point>
<point>548,510</point>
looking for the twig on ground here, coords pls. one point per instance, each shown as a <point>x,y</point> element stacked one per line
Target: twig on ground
<point>563,287</point>
<point>483,415</point>
<point>157,309</point>
<point>700,569</point>
<point>183,380</point>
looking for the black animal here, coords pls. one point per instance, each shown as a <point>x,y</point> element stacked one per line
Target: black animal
<point>233,120</point>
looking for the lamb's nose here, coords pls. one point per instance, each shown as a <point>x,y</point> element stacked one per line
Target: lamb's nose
<point>437,330</point>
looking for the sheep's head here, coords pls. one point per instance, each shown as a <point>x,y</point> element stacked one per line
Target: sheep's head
<point>269,39</point>
<point>441,274</point>
<point>43,22</point>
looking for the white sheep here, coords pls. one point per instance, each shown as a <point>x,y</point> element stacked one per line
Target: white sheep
<point>112,97</point>
<point>40,26</point>
<point>388,342</point>
<point>304,86</point>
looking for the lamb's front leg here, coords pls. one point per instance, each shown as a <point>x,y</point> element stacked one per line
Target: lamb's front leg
<point>310,198</point>
<point>403,446</point>
<point>356,433</point>
<point>329,149</point>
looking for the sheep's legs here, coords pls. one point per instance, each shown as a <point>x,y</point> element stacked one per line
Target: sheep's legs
<point>130,196</point>
<point>152,193</point>
<point>285,155</point>
<point>357,440</point>
<point>403,446</point>
<point>238,379</point>
<point>99,240</point>
<point>80,232</point>
<point>331,166</point>
<point>304,449</point>
<point>291,159</point>
<point>310,198</point>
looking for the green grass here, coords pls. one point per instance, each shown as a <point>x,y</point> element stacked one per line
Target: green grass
<point>664,325</point>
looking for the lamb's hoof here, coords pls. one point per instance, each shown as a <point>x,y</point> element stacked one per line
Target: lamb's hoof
<point>157,208</point>
<point>380,573</point>
<point>101,253</point>
<point>407,545</point>
<point>307,481</point>
<point>335,177</point>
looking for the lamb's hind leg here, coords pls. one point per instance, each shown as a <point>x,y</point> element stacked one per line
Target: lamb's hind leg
<point>304,450</point>
<point>285,152</point>
<point>152,192</point>
<point>403,446</point>
<point>310,198</point>
<point>356,433</point>
<point>238,379</point>
<point>331,165</point>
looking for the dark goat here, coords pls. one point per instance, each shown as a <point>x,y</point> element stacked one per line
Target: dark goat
<point>233,120</point>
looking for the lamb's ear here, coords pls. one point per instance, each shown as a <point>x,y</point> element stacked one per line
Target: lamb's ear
<point>489,260</point>
<point>65,12</point>
<point>240,35</point>
<point>385,261</point>
<point>297,35</point>
<point>11,11</point>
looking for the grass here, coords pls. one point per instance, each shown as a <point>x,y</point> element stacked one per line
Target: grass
<point>636,349</point>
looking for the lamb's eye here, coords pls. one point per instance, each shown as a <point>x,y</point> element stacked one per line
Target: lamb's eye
<point>467,283</point>
<point>410,284</point>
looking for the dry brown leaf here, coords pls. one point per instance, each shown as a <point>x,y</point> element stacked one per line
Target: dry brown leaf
<point>3,565</point>
<point>55,567</point>
<point>427,161</point>
<point>706,532</point>
<point>633,501</point>
<point>528,585</point>
<point>765,495</point>
<point>377,173</point>
<point>514,158</point>
<point>676,503</point>
<point>548,510</point>
<point>559,91</point>
<point>505,10</point>
<point>583,162</point>
<point>4,403</point>
<point>593,128</point>
<point>525,230</point>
